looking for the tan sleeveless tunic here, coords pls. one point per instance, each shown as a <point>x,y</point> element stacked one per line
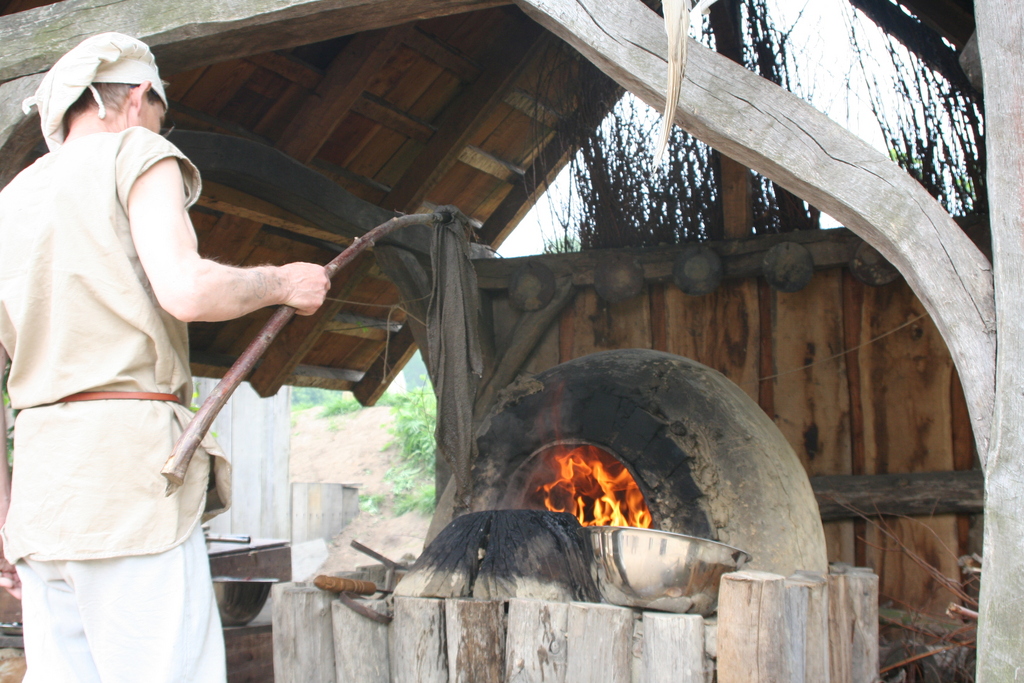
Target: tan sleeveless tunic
<point>77,314</point>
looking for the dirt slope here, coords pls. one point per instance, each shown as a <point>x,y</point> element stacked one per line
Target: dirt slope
<point>354,449</point>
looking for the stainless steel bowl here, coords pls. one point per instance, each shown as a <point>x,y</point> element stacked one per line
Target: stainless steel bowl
<point>660,570</point>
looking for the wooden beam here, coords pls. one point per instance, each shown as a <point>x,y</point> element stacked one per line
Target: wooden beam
<point>918,494</point>
<point>490,164</point>
<point>547,163</point>
<point>339,379</point>
<point>1001,623</point>
<point>352,325</point>
<point>740,258</point>
<point>200,120</point>
<point>503,63</point>
<point>277,179</point>
<point>187,35</point>
<point>951,18</point>
<point>19,133</point>
<point>386,114</point>
<point>344,82</point>
<point>914,36</point>
<point>526,103</point>
<point>778,135</point>
<point>395,355</point>
<point>237,203</point>
<point>292,68</point>
<point>444,55</point>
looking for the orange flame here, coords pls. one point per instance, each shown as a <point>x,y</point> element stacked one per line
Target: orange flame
<point>595,487</point>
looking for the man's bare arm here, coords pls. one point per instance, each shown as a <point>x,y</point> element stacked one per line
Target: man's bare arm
<point>192,288</point>
<point>9,579</point>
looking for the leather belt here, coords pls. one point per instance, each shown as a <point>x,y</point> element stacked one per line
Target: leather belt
<point>119,395</point>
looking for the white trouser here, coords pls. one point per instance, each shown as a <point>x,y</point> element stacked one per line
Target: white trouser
<point>140,619</point>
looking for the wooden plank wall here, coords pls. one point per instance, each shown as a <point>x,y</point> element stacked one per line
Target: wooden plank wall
<point>890,405</point>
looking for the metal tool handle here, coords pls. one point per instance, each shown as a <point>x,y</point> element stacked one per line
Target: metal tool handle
<point>177,464</point>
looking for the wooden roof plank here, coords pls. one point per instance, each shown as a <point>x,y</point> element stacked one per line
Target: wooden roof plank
<point>230,239</point>
<point>503,62</point>
<point>383,112</point>
<point>273,122</point>
<point>295,70</point>
<point>490,164</point>
<point>444,55</point>
<point>346,79</point>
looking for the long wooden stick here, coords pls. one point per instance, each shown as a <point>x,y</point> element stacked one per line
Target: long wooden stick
<point>177,464</point>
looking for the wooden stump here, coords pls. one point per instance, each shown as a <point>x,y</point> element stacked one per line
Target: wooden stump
<point>360,645</point>
<point>673,648</point>
<point>752,645</point>
<point>416,642</point>
<point>536,644</point>
<point>475,632</point>
<point>600,644</point>
<point>504,554</point>
<point>807,624</point>
<point>303,634</point>
<point>853,624</point>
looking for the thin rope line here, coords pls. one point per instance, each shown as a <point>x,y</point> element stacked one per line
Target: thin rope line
<point>841,353</point>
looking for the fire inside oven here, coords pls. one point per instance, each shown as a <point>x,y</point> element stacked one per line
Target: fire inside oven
<point>586,481</point>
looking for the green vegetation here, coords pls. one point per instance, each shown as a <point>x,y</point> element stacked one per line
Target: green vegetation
<point>370,504</point>
<point>412,481</point>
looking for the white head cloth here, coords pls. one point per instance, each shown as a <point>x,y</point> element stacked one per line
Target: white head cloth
<point>103,58</point>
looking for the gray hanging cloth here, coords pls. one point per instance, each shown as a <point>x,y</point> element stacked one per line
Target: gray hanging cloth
<point>453,349</point>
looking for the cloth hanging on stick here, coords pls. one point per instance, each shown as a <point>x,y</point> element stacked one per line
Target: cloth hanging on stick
<point>453,350</point>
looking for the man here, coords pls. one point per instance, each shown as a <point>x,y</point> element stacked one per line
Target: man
<point>99,272</point>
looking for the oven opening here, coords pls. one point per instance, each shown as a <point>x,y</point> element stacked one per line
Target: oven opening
<point>586,481</point>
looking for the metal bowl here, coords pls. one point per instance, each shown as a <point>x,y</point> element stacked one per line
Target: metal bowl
<point>660,570</point>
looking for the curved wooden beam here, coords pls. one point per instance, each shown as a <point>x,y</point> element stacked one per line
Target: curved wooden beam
<point>782,137</point>
<point>185,35</point>
<point>273,176</point>
<point>18,133</point>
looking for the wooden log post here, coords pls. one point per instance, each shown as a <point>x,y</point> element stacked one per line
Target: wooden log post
<point>360,645</point>
<point>303,634</point>
<point>475,631</point>
<point>416,642</point>
<point>752,642</point>
<point>1001,622</point>
<point>600,643</point>
<point>673,650</point>
<point>807,625</point>
<point>853,624</point>
<point>535,650</point>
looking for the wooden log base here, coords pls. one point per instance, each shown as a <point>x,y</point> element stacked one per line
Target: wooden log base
<point>502,554</point>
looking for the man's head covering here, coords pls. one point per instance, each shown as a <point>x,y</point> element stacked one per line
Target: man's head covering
<point>103,58</point>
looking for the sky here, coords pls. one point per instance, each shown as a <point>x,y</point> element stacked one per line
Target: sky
<point>826,66</point>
